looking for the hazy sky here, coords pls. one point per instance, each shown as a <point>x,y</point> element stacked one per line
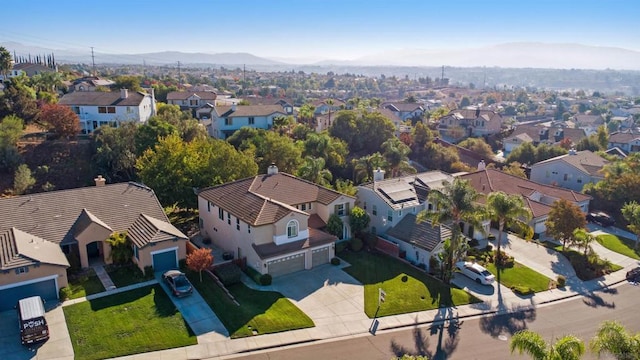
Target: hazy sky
<point>336,29</point>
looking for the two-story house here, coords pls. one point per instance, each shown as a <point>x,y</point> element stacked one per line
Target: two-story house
<point>474,122</point>
<point>405,111</point>
<point>275,220</point>
<point>225,120</point>
<point>328,105</point>
<point>627,141</point>
<point>40,234</point>
<point>570,171</point>
<point>191,100</point>
<point>541,135</point>
<point>96,108</point>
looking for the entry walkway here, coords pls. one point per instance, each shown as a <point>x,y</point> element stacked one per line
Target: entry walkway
<point>104,277</point>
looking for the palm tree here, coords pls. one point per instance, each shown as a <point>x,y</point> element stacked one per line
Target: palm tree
<point>566,348</point>
<point>456,203</point>
<point>363,167</point>
<point>313,170</point>
<point>631,212</point>
<point>397,155</point>
<point>507,210</point>
<point>614,339</point>
<point>583,239</point>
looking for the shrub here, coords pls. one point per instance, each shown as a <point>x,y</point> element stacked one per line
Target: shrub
<point>522,290</point>
<point>340,246</point>
<point>64,293</point>
<point>228,274</point>
<point>473,243</point>
<point>253,274</point>
<point>471,258</point>
<point>506,261</point>
<point>265,279</point>
<point>356,244</point>
<point>561,281</point>
<point>148,272</point>
<point>335,261</point>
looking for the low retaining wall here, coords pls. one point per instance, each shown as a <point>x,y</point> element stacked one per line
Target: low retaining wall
<point>387,247</point>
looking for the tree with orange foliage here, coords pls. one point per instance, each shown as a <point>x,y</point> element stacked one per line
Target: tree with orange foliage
<point>199,260</point>
<point>60,119</point>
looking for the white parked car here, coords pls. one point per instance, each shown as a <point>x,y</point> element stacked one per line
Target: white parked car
<point>475,272</point>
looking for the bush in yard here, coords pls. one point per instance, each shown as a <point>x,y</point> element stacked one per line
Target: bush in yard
<point>561,281</point>
<point>265,279</point>
<point>356,244</point>
<point>228,274</point>
<point>335,261</point>
<point>371,240</point>
<point>121,250</point>
<point>522,290</point>
<point>340,246</point>
<point>505,260</point>
<point>253,274</point>
<point>65,293</point>
<point>434,265</point>
<point>199,260</point>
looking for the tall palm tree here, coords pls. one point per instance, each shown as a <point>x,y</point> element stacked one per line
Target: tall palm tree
<point>614,339</point>
<point>456,203</point>
<point>568,347</point>
<point>397,155</point>
<point>583,238</point>
<point>364,167</point>
<point>314,171</point>
<point>507,210</point>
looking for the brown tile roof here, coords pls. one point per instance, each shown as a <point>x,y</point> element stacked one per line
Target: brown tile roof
<point>589,120</point>
<point>316,222</point>
<point>423,235</point>
<point>18,248</point>
<point>470,114</point>
<point>184,95</point>
<point>534,133</point>
<point>99,98</point>
<point>265,199</point>
<point>147,230</point>
<point>316,238</point>
<point>249,110</point>
<point>390,115</point>
<point>55,215</point>
<point>585,161</point>
<point>336,102</point>
<point>401,106</point>
<point>623,137</point>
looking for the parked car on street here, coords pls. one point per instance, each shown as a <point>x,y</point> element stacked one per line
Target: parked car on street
<point>634,275</point>
<point>601,218</point>
<point>475,272</point>
<point>178,283</point>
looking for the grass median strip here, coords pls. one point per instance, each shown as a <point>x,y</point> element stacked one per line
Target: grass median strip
<point>260,312</point>
<point>621,245</point>
<point>407,288</point>
<point>132,322</point>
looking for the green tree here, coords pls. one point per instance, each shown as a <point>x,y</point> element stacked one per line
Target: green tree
<point>335,225</point>
<point>11,128</point>
<point>130,82</point>
<point>456,203</point>
<point>478,146</point>
<point>524,154</point>
<point>566,348</point>
<point>150,133</point>
<point>345,186</point>
<point>507,211</point>
<point>563,219</point>
<point>115,152</point>
<point>515,169</point>
<point>364,167</point>
<point>612,338</point>
<point>60,120</point>
<point>323,145</point>
<point>19,99</point>
<point>358,220</point>
<point>121,247</point>
<point>23,180</point>
<point>313,170</point>
<point>396,154</point>
<point>583,239</point>
<point>5,62</point>
<point>631,212</point>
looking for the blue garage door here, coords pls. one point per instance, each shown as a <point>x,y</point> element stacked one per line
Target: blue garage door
<point>165,261</point>
<point>10,297</point>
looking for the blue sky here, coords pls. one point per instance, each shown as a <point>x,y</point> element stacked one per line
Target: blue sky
<point>313,28</point>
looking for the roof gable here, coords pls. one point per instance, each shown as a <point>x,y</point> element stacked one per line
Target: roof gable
<point>423,235</point>
<point>18,248</point>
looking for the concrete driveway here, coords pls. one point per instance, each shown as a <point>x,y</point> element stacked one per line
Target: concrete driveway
<point>57,347</point>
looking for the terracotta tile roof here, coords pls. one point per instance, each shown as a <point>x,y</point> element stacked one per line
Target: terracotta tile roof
<point>423,235</point>
<point>584,120</point>
<point>18,248</point>
<point>57,216</point>
<point>99,98</point>
<point>147,230</point>
<point>248,110</point>
<point>184,95</point>
<point>316,238</point>
<point>316,222</point>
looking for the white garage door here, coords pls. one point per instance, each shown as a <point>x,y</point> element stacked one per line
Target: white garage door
<point>286,265</point>
<point>320,256</point>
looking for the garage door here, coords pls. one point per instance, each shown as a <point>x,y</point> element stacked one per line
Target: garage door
<point>320,256</point>
<point>165,260</point>
<point>45,289</point>
<point>286,265</point>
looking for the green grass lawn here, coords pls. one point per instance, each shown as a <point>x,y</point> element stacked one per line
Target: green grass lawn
<point>263,311</point>
<point>83,285</point>
<point>520,276</point>
<point>621,245</point>
<point>407,289</point>
<point>126,275</point>
<point>132,322</point>
<point>587,268</point>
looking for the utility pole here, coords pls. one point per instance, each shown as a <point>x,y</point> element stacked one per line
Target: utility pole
<point>93,62</point>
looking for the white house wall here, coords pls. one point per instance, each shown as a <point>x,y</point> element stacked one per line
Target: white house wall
<point>554,173</point>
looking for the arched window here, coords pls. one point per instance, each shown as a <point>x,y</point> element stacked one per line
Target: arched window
<point>292,228</point>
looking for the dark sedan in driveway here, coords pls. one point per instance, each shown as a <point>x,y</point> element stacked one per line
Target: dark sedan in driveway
<point>601,218</point>
<point>178,283</point>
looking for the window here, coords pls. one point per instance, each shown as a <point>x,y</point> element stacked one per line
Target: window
<point>228,121</point>
<point>390,215</point>
<point>76,109</point>
<point>309,206</point>
<point>399,213</point>
<point>102,109</point>
<point>228,218</point>
<point>252,120</point>
<point>341,209</point>
<point>364,205</point>
<point>249,228</point>
<point>22,270</point>
<point>303,207</point>
<point>220,214</point>
<point>106,109</point>
<point>374,210</point>
<point>129,110</point>
<point>413,210</point>
<point>193,102</point>
<point>238,224</point>
<point>208,206</point>
<point>135,252</point>
<point>566,176</point>
<point>292,229</point>
<point>579,180</point>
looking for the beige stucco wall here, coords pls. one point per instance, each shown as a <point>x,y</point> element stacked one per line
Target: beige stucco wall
<point>144,254</point>
<point>280,227</point>
<point>43,270</point>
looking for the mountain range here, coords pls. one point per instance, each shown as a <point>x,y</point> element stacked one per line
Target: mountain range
<point>508,55</point>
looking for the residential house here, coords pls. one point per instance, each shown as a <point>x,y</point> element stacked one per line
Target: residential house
<point>40,232</point>
<point>588,123</point>
<point>328,105</point>
<point>405,111</point>
<point>418,241</point>
<point>570,171</point>
<point>28,69</point>
<point>191,100</point>
<point>90,83</point>
<point>97,108</point>
<point>475,122</point>
<point>275,220</point>
<point>627,141</point>
<point>538,197</point>
<point>541,135</point>
<point>287,104</point>
<point>395,119</point>
<point>225,120</point>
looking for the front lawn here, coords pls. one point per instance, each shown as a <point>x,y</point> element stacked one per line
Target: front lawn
<point>407,288</point>
<point>260,312</point>
<point>586,267</point>
<point>621,245</point>
<point>520,277</point>
<point>132,322</point>
<point>82,285</point>
<point>126,275</point>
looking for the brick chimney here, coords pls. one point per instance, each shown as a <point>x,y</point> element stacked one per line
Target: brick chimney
<point>100,181</point>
